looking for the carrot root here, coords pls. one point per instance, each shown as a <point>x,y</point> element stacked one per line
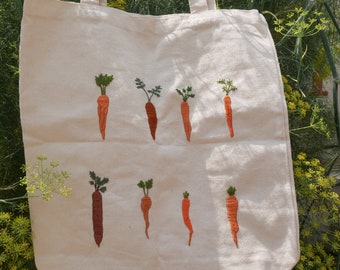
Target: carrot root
<point>103,107</point>
<point>97,216</point>
<point>152,118</point>
<point>232,207</point>
<point>186,218</point>
<point>185,111</point>
<point>229,114</point>
<point>145,207</point>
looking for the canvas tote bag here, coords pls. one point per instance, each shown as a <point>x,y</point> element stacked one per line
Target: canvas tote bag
<point>64,46</point>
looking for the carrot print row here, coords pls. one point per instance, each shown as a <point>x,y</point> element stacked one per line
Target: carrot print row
<point>146,202</point>
<point>104,80</point>
<point>97,205</point>
<point>103,101</point>
<point>149,107</point>
<point>227,88</point>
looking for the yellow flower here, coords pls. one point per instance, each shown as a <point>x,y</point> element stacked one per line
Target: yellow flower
<point>301,156</point>
<point>291,106</point>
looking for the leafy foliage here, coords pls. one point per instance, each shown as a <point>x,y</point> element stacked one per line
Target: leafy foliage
<point>103,80</point>
<point>318,208</point>
<point>98,182</point>
<point>149,93</point>
<point>16,251</point>
<point>186,93</point>
<point>11,147</point>
<point>45,180</point>
<point>145,185</point>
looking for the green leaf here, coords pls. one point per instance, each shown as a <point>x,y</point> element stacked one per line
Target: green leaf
<point>141,184</point>
<point>149,183</point>
<point>104,181</point>
<point>102,189</point>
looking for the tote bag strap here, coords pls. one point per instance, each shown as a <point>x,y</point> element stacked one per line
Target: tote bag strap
<point>197,6</point>
<point>94,2</point>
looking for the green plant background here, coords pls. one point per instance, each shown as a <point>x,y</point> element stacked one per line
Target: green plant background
<point>315,148</point>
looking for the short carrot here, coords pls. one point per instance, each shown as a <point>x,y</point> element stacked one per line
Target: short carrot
<point>185,110</point>
<point>149,107</point>
<point>146,202</point>
<point>227,88</point>
<point>97,206</point>
<point>185,214</point>
<point>103,101</point>
<point>232,208</point>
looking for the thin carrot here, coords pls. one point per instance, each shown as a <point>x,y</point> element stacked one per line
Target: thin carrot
<point>227,88</point>
<point>229,114</point>
<point>149,107</point>
<point>103,101</point>
<point>232,207</point>
<point>185,214</point>
<point>185,110</point>
<point>146,202</point>
<point>97,206</point>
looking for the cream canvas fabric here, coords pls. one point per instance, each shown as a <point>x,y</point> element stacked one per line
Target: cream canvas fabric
<point>65,45</point>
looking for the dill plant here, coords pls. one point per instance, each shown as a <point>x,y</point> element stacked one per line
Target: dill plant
<point>318,208</point>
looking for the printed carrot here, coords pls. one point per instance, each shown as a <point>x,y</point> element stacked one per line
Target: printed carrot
<point>185,214</point>
<point>227,88</point>
<point>185,110</point>
<point>146,202</point>
<point>97,205</point>
<point>149,107</point>
<point>232,207</point>
<point>103,101</point>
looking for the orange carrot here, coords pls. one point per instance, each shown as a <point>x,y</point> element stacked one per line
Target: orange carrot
<point>103,107</point>
<point>229,114</point>
<point>232,207</point>
<point>149,107</point>
<point>146,202</point>
<point>185,214</point>
<point>97,206</point>
<point>185,110</point>
<point>103,101</point>
<point>227,88</point>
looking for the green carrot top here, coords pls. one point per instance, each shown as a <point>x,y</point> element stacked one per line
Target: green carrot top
<point>186,93</point>
<point>231,191</point>
<point>145,185</point>
<point>97,182</point>
<point>103,81</point>
<point>149,93</point>
<point>185,194</point>
<point>227,86</point>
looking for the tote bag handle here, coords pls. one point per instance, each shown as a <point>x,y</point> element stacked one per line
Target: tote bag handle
<point>95,2</point>
<point>201,5</point>
<point>195,5</point>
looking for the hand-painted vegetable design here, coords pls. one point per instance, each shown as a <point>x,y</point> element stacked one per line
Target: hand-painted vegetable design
<point>185,110</point>
<point>232,207</point>
<point>97,205</point>
<point>149,107</point>
<point>103,101</point>
<point>146,202</point>
<point>185,214</point>
<point>227,88</point>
